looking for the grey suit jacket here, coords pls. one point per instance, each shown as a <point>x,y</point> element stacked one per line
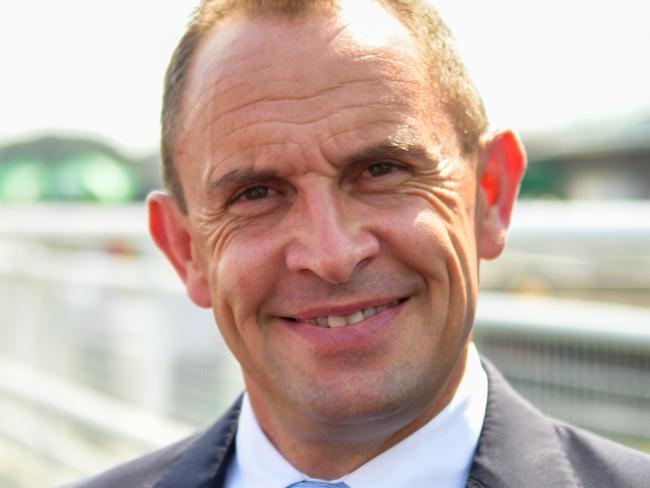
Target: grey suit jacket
<point>518,448</point>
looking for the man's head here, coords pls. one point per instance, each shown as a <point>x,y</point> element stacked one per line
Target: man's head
<point>449,78</point>
<point>334,218</point>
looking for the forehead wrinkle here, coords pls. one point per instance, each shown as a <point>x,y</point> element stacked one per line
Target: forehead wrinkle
<point>307,121</point>
<point>376,123</point>
<point>394,104</point>
<point>209,93</point>
<point>248,76</point>
<point>389,64</point>
<point>231,111</point>
<point>390,69</point>
<point>297,98</point>
<point>218,74</point>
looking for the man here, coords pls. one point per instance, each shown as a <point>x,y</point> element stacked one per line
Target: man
<point>333,185</point>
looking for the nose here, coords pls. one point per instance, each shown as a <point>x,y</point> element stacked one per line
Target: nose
<point>330,238</point>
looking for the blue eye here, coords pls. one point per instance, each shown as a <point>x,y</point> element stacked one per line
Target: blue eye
<point>381,169</point>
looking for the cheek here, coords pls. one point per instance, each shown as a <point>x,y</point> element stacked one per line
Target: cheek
<point>415,236</point>
<point>243,276</point>
<point>437,241</point>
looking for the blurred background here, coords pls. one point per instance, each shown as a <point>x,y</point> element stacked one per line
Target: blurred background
<point>103,357</point>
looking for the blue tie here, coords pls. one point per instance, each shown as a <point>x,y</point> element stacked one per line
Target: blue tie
<point>318,484</point>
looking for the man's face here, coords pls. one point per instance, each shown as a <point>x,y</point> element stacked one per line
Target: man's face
<point>331,215</point>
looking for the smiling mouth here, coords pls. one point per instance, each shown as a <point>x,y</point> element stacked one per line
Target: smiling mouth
<point>336,321</point>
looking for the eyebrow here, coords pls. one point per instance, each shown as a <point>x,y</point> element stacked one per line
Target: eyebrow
<point>239,177</point>
<point>392,149</point>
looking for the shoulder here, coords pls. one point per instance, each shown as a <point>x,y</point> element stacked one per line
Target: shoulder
<point>600,462</point>
<point>201,457</point>
<point>520,446</point>
<point>142,472</point>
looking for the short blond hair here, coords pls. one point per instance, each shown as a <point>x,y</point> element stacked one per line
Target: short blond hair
<point>459,94</point>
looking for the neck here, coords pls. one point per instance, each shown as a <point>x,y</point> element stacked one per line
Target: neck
<point>330,451</point>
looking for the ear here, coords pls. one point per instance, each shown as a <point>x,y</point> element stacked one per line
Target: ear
<point>502,168</point>
<point>169,228</point>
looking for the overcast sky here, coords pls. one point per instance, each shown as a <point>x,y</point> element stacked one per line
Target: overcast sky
<point>95,68</point>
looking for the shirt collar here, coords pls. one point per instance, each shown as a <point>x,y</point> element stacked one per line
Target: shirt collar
<point>438,454</point>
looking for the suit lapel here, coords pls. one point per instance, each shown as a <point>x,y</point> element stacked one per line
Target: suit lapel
<point>206,460</point>
<point>518,446</point>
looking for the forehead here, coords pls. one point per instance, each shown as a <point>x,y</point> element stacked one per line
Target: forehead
<point>244,44</point>
<point>268,81</point>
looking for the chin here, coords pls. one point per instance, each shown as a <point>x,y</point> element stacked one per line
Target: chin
<point>371,400</point>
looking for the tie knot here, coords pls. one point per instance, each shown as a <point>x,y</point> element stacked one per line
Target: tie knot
<point>318,484</point>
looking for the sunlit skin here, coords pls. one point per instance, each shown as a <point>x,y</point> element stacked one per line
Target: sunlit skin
<point>323,177</point>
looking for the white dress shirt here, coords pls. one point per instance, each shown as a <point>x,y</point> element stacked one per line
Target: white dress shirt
<point>438,454</point>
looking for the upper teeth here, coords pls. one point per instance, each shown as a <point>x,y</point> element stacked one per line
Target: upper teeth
<point>351,319</point>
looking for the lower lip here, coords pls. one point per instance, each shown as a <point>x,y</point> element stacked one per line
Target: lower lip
<point>360,335</point>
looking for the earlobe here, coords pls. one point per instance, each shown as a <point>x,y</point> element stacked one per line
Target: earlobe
<point>502,168</point>
<point>169,230</point>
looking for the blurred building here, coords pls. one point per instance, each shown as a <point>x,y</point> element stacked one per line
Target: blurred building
<point>597,160</point>
<point>56,168</point>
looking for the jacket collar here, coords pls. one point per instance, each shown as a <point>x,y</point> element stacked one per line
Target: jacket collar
<point>518,446</point>
<point>206,461</point>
